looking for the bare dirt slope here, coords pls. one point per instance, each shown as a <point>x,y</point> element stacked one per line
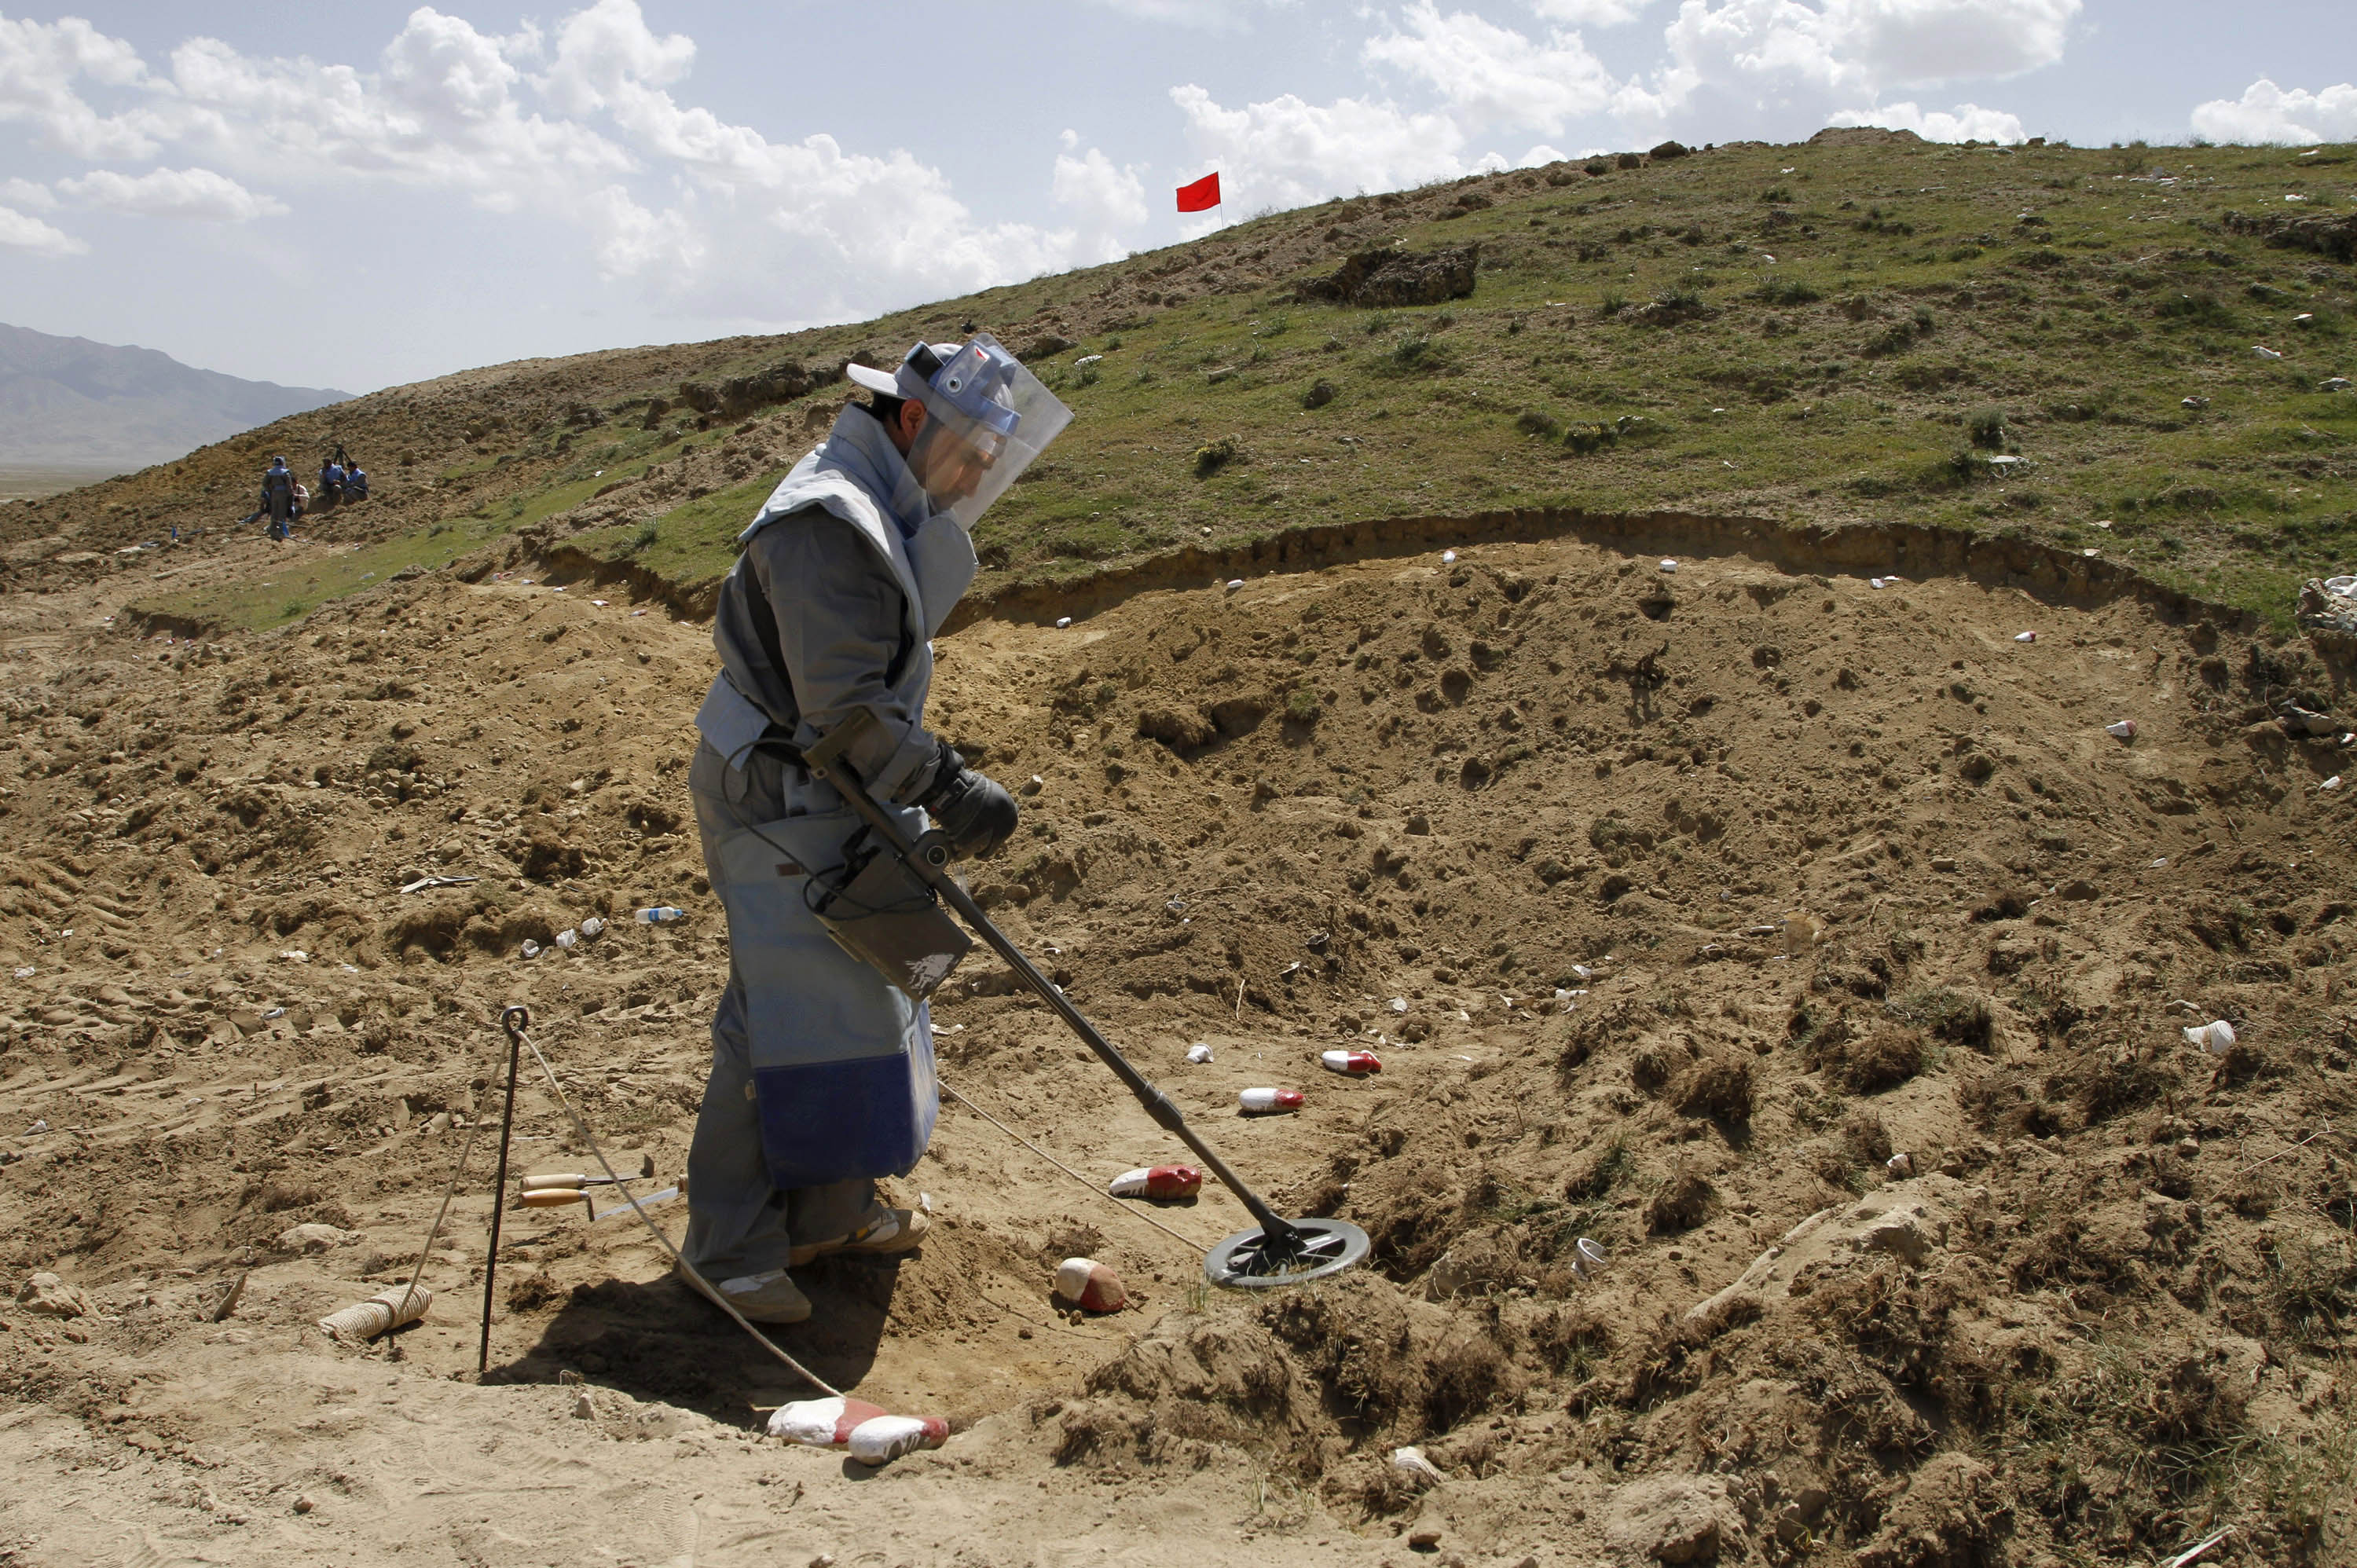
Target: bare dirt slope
<point>1675,904</point>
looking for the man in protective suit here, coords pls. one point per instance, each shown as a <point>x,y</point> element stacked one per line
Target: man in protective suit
<point>822,1070</point>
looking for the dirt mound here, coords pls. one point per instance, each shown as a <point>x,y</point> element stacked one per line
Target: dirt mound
<point>1678,906</point>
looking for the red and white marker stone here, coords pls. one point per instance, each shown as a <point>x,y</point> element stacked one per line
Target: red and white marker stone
<point>1088,1285</point>
<point>1258,1101</point>
<point>1163,1182</point>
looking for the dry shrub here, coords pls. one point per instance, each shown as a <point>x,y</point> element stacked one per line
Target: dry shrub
<point>1883,1058</point>
<point>1953,1014</point>
<point>1864,1137</point>
<point>1680,1203</point>
<point>1466,1376</point>
<point>1719,1085</point>
<point>2121,1082</point>
<point>1177,728</point>
<point>1351,1340</point>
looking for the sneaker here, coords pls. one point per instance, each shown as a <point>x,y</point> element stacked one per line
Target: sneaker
<point>883,1231</point>
<point>762,1298</point>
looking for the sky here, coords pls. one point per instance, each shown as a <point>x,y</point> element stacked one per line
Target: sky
<point>366,194</point>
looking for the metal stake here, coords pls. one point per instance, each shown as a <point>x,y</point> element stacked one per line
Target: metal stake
<point>515,1019</point>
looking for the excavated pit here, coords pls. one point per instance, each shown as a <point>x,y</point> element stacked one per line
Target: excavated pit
<point>1676,903</point>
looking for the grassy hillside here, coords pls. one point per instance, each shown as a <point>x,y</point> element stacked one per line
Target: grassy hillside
<point>2059,343</point>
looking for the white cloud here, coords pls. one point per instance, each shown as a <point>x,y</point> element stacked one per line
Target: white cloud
<point>1493,75</point>
<point>579,126</point>
<point>1798,60</point>
<point>2265,112</point>
<point>1287,153</point>
<point>1970,122</point>
<point>195,193</point>
<point>27,193</point>
<point>40,63</point>
<point>1105,201</point>
<point>1591,12</point>
<point>1541,155</point>
<point>1212,15</point>
<point>22,232</point>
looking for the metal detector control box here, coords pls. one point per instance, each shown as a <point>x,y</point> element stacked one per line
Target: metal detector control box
<point>882,913</point>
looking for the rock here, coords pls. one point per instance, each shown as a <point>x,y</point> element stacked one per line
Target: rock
<point>2328,613</point>
<point>1950,1513</point>
<point>1423,1541</point>
<point>1908,1221</point>
<point>1089,1286</point>
<point>1673,1520</point>
<point>1385,278</point>
<point>314,1237</point>
<point>51,1296</point>
<point>1669,150</point>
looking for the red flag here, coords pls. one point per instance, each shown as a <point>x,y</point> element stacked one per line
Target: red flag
<point>1201,195</point>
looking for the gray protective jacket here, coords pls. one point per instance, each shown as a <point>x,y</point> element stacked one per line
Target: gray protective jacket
<point>847,573</point>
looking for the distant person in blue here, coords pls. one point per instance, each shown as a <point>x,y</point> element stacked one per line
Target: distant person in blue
<point>278,496</point>
<point>331,481</point>
<point>356,483</point>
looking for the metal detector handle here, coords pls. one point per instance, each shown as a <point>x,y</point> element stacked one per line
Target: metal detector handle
<point>825,760</point>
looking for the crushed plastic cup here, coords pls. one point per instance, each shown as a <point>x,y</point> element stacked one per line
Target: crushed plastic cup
<point>2263,352</point>
<point>822,1424</point>
<point>1350,1064</point>
<point>531,948</point>
<point>2331,783</point>
<point>1261,1102</point>
<point>1877,581</point>
<point>885,1438</point>
<point>291,955</point>
<point>2124,729</point>
<point>592,928</point>
<point>1398,1005</point>
<point>1234,583</point>
<point>568,939</point>
<point>1668,564</point>
<point>1198,1053</point>
<point>2216,1036</point>
<point>1161,1182</point>
<point>26,972</point>
<point>1901,1166</point>
<point>1063,621</point>
<point>2025,637</point>
<point>1448,557</point>
<point>1420,1471</point>
<point>1089,1286</point>
<point>1588,1259</point>
<point>270,1013</point>
<point>662,916</point>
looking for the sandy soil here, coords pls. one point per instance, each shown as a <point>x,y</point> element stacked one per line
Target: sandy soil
<point>1850,872</point>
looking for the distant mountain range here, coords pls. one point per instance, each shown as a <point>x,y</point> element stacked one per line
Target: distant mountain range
<point>68,400</point>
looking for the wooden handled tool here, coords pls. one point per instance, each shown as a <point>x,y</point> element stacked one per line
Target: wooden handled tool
<point>553,1196</point>
<point>574,1180</point>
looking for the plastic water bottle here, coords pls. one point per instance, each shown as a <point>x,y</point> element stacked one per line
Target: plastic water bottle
<point>662,916</point>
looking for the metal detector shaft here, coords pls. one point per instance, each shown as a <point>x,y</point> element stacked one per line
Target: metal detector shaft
<point>825,761</point>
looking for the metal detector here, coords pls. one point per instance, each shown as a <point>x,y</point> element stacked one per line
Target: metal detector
<point>1277,1252</point>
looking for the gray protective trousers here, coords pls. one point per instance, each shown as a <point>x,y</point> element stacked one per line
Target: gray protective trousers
<point>738,1222</point>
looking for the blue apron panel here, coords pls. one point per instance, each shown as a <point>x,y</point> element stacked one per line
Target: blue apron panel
<point>843,1062</point>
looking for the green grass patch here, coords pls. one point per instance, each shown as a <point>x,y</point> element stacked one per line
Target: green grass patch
<point>304,576</point>
<point>690,544</point>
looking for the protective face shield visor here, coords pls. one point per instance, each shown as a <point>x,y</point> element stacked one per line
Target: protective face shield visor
<point>986,420</point>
